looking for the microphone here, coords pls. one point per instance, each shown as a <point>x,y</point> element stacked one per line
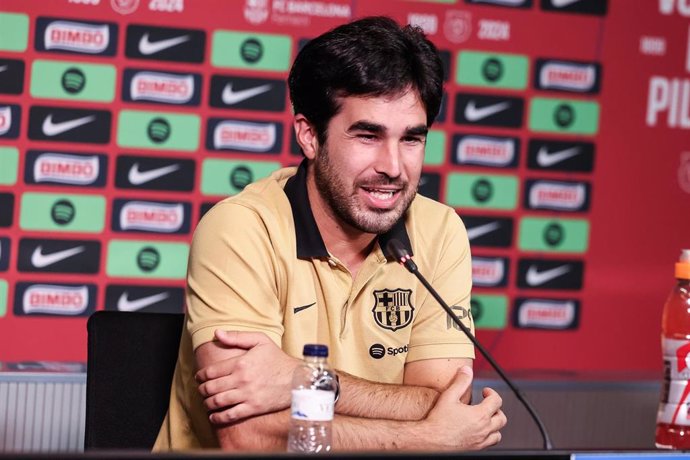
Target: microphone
<point>399,251</point>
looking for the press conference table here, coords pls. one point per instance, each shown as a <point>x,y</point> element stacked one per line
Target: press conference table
<point>483,455</point>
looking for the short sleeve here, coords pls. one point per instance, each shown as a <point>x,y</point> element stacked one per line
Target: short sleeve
<point>232,275</point>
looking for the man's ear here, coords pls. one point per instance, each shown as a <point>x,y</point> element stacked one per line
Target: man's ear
<point>306,136</point>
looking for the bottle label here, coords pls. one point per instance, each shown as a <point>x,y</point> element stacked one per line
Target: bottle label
<point>676,358</point>
<point>675,396</point>
<point>313,405</point>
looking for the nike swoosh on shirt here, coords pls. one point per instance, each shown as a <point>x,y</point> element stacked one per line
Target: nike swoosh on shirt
<point>147,47</point>
<point>303,307</point>
<point>40,260</point>
<point>474,113</point>
<point>51,128</point>
<point>562,3</point>
<point>124,304</point>
<point>480,230</point>
<point>546,158</point>
<point>231,97</point>
<point>137,177</point>
<point>536,278</point>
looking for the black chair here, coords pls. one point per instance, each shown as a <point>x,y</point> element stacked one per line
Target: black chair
<point>131,360</point>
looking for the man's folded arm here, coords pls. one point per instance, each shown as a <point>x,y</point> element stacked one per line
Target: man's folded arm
<point>239,385</point>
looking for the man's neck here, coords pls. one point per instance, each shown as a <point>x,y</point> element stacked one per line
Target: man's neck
<point>350,245</point>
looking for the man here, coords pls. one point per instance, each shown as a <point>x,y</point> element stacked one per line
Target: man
<point>301,257</point>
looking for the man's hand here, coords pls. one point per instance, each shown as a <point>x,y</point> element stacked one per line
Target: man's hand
<point>253,383</point>
<point>454,425</point>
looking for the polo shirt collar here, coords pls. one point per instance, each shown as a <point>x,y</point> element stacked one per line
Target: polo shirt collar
<point>309,241</point>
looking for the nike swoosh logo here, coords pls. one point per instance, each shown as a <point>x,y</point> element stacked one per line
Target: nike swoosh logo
<point>231,97</point>
<point>536,278</point>
<point>562,3</point>
<point>137,177</point>
<point>147,47</point>
<point>546,158</point>
<point>303,307</point>
<point>476,232</point>
<point>124,304</point>
<point>51,128</point>
<point>474,113</point>
<point>40,260</point>
<point>3,68</point>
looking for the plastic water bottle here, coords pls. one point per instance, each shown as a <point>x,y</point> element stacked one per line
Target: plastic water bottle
<point>673,418</point>
<point>313,400</point>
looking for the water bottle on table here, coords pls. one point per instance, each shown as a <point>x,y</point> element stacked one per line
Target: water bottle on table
<point>314,387</point>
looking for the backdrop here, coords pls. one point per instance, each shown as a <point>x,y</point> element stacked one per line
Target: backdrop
<point>563,144</point>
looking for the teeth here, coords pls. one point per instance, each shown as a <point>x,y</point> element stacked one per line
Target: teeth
<point>381,195</point>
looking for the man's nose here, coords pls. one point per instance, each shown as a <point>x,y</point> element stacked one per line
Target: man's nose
<point>388,160</point>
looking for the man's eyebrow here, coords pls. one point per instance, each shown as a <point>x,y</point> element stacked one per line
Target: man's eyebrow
<point>363,125</point>
<point>376,128</point>
<point>420,130</point>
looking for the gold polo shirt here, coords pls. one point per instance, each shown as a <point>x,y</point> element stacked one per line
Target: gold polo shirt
<point>258,263</point>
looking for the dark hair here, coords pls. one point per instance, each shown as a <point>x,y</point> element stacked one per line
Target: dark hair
<point>373,56</point>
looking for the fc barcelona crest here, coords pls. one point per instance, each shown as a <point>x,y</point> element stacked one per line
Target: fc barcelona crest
<point>393,308</point>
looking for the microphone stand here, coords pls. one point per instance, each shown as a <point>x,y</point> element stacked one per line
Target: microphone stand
<point>404,258</point>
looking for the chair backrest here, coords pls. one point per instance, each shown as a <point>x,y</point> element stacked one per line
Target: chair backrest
<point>130,364</point>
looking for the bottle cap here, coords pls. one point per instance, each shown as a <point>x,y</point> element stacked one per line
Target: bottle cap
<point>315,349</point>
<point>683,265</point>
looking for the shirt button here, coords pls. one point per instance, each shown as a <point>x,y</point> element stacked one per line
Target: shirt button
<point>332,262</point>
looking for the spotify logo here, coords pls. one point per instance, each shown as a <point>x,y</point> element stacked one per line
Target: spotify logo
<point>62,212</point>
<point>73,80</point>
<point>148,259</point>
<point>377,351</point>
<point>482,190</point>
<point>554,234</point>
<point>252,50</point>
<point>476,309</point>
<point>564,115</point>
<point>159,130</point>
<point>492,69</point>
<point>240,177</point>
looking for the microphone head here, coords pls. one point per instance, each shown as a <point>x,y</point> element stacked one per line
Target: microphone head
<point>401,254</point>
<point>398,250</point>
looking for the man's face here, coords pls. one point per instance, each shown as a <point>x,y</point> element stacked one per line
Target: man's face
<point>368,171</point>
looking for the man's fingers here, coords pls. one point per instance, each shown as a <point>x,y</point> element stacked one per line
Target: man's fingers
<point>244,340</point>
<point>492,400</point>
<point>230,415</point>
<point>493,439</point>
<point>499,420</point>
<point>214,386</point>
<point>216,370</point>
<point>223,400</point>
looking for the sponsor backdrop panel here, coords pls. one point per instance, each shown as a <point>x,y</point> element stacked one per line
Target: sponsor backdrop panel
<point>121,124</point>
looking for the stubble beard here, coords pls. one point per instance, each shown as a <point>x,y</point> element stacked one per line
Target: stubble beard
<point>345,204</point>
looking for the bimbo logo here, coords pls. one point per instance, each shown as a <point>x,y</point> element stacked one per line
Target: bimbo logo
<point>148,216</point>
<point>568,76</point>
<point>66,169</point>
<point>79,37</point>
<point>162,87</point>
<point>239,135</point>
<point>486,151</point>
<point>546,314</point>
<point>55,300</point>
<point>5,120</point>
<point>487,272</point>
<point>565,196</point>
